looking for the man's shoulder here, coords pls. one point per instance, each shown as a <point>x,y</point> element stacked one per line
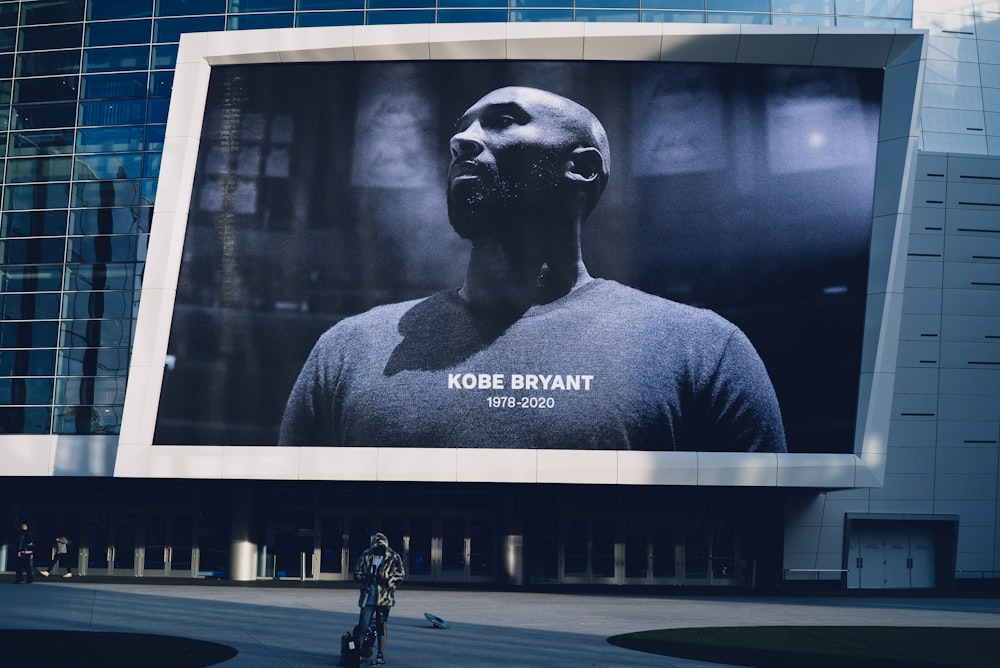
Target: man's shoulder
<point>645,304</point>
<point>383,318</point>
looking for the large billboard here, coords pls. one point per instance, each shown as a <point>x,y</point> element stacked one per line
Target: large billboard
<point>390,260</point>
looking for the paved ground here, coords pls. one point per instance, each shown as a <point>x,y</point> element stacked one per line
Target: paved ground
<point>276,626</point>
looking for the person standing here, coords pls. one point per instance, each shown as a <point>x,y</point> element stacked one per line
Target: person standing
<point>24,567</point>
<point>379,571</point>
<point>60,555</point>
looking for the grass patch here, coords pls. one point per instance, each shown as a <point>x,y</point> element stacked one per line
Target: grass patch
<point>824,646</point>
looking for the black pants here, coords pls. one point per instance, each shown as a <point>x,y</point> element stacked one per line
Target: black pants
<point>23,567</point>
<point>61,559</point>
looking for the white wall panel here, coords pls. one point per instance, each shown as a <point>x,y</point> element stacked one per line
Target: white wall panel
<point>968,248</point>
<point>952,72</point>
<point>923,354</point>
<point>911,460</point>
<point>970,327</point>
<point>927,220</point>
<point>920,327</point>
<point>966,460</point>
<point>913,380</point>
<point>942,47</point>
<point>969,302</point>
<point>911,433</point>
<point>941,141</point>
<point>969,407</point>
<point>983,433</point>
<point>972,221</point>
<point>923,272</point>
<point>950,96</point>
<point>958,121</point>
<point>965,380</point>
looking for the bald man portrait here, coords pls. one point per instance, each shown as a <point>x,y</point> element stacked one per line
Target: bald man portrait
<point>531,351</point>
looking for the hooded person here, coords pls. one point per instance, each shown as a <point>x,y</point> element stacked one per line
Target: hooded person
<point>378,572</point>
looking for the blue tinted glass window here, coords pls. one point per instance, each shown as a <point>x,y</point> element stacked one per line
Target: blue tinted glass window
<point>37,116</point>
<point>170,30</point>
<point>116,58</point>
<point>102,277</point>
<point>740,5</point>
<point>189,7</point>
<point>560,16</point>
<point>609,4</point>
<point>400,17</point>
<point>48,62</point>
<point>393,4</point>
<point>51,11</point>
<point>8,14</point>
<point>37,334</point>
<point>804,6</point>
<point>118,33</point>
<point>154,137</point>
<point>49,142</point>
<point>472,16</point>
<point>607,15</point>
<point>5,90</point>
<point>93,362</point>
<point>105,391</point>
<point>33,223</point>
<point>854,22</point>
<point>164,56</point>
<point>325,4</point>
<point>161,84</point>
<point>44,38</point>
<point>674,4</point>
<point>25,420</point>
<point>40,250</point>
<point>237,6</point>
<point>108,166</point>
<point>27,362</point>
<point>8,39</point>
<point>260,21</point>
<point>156,110</point>
<point>27,170</point>
<point>804,20</point>
<point>671,17</point>
<point>46,89</point>
<point>737,17</point>
<point>474,3</point>
<point>541,14</point>
<point>26,391</point>
<point>108,304</point>
<point>87,419</point>
<point>117,192</point>
<point>897,9</point>
<point>40,196</point>
<point>123,220</point>
<point>111,86</point>
<point>29,305</point>
<point>107,140</point>
<point>96,333</point>
<point>311,19</point>
<point>6,66</point>
<point>118,9</point>
<point>151,165</point>
<point>114,248</point>
<point>30,279</point>
<point>113,112</point>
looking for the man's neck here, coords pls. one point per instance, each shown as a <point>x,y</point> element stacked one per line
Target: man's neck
<point>499,278</point>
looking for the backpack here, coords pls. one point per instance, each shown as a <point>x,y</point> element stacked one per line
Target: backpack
<point>350,651</point>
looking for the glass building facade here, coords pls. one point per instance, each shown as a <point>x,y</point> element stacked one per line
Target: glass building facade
<point>85,89</point>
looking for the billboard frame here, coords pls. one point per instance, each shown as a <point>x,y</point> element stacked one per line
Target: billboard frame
<point>900,53</point>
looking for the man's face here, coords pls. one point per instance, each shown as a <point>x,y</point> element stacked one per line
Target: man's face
<point>508,157</point>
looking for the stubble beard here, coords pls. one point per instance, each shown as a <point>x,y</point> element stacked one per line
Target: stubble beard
<point>495,206</point>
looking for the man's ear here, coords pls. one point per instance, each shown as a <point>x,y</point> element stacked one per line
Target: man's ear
<point>585,164</point>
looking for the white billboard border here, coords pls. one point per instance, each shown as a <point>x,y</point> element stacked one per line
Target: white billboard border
<point>901,53</point>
